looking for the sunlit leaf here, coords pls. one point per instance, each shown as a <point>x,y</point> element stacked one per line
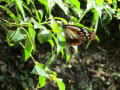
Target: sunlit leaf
<point>109,1</point>
<point>95,18</point>
<point>99,2</point>
<point>62,6</point>
<point>90,4</point>
<point>28,2</point>
<point>67,54</point>
<point>97,38</point>
<point>55,27</point>
<point>118,14</point>
<point>42,81</point>
<point>57,43</point>
<point>28,49</point>
<point>52,45</point>
<point>62,43</point>
<point>61,39</point>
<point>61,85</point>
<point>114,3</point>
<point>76,3</point>
<point>50,72</point>
<point>51,4</point>
<point>45,3</point>
<point>32,34</point>
<point>44,36</point>
<point>38,70</point>
<point>61,19</point>
<point>37,25</point>
<point>16,36</point>
<point>41,14</point>
<point>19,5</point>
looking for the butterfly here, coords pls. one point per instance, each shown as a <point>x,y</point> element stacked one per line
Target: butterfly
<point>76,35</point>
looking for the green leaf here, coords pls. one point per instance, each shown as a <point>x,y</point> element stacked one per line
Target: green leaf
<point>10,13</point>
<point>38,70</point>
<point>19,5</point>
<point>118,15</point>
<point>42,81</point>
<point>28,2</point>
<point>32,34</point>
<point>62,43</point>
<point>55,28</point>
<point>62,6</point>
<point>76,3</point>
<point>67,55</point>
<point>27,8</point>
<point>61,40</point>
<point>61,19</point>
<point>45,3</point>
<point>61,85</point>
<point>52,45</point>
<point>36,12</point>
<point>114,4</point>
<point>16,36</point>
<point>54,74</point>
<point>41,14</point>
<point>108,15</point>
<point>90,4</point>
<point>75,7</point>
<point>50,60</point>
<point>97,38</point>
<point>106,19</point>
<point>1,77</point>
<point>57,43</point>
<point>95,18</point>
<point>44,36</point>
<point>51,4</point>
<point>99,2</point>
<point>8,38</point>
<point>37,25</point>
<point>28,49</point>
<point>109,11</point>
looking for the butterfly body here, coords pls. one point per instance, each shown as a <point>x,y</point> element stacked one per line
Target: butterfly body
<point>76,35</point>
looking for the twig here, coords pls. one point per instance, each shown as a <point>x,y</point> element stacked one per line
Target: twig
<point>21,44</point>
<point>6,29</point>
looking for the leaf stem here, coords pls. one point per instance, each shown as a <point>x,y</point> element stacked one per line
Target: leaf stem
<point>83,15</point>
<point>96,26</point>
<point>21,44</point>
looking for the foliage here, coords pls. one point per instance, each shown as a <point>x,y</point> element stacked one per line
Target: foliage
<point>26,18</point>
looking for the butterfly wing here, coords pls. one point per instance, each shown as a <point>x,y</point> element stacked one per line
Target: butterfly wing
<point>73,35</point>
<point>76,35</point>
